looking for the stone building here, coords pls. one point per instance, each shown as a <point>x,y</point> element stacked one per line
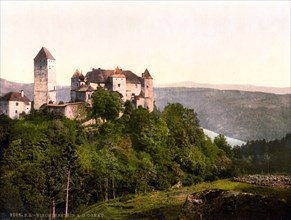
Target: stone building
<point>44,78</point>
<point>13,104</point>
<point>70,110</point>
<point>139,90</point>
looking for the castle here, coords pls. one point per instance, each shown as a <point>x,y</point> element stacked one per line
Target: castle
<point>138,90</point>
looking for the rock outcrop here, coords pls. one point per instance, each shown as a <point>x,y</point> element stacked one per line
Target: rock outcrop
<point>229,205</point>
<point>266,180</point>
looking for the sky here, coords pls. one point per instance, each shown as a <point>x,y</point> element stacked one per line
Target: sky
<point>219,42</point>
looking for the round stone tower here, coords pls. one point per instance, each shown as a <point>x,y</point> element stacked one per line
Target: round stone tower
<point>147,88</point>
<point>44,78</point>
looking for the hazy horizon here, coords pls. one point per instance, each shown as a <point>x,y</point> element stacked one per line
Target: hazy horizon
<point>211,42</point>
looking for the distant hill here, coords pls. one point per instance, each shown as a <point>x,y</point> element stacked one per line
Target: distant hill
<point>8,86</point>
<point>250,88</point>
<point>238,114</point>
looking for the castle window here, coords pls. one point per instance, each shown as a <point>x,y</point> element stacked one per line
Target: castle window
<point>147,86</point>
<point>118,85</point>
<point>17,103</point>
<point>15,111</point>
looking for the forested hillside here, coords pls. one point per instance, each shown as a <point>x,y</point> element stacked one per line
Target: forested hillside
<point>137,153</point>
<point>238,114</point>
<point>49,162</point>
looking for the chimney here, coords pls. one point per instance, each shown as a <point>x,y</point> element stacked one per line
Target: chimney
<point>22,93</point>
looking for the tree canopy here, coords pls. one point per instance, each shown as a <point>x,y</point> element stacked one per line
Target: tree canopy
<point>136,153</point>
<point>106,104</point>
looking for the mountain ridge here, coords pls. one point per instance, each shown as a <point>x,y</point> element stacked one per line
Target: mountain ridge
<point>240,87</point>
<point>238,114</point>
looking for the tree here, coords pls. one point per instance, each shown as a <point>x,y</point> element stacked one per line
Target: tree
<point>221,143</point>
<point>183,125</point>
<point>106,105</point>
<point>6,131</point>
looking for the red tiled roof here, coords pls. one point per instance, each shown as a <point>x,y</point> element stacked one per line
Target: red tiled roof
<point>115,75</point>
<point>44,54</point>
<point>15,96</point>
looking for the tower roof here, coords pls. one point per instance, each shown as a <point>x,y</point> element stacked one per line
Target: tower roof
<point>118,73</point>
<point>44,54</point>
<point>146,74</point>
<point>76,74</point>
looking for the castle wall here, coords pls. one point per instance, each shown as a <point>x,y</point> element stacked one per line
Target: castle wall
<point>73,96</point>
<point>52,94</point>
<point>75,83</point>
<point>69,110</point>
<point>140,102</point>
<point>119,85</point>
<point>132,89</point>
<point>148,94</point>
<point>149,104</point>
<point>148,87</point>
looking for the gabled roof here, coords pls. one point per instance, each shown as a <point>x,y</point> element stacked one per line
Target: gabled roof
<point>99,75</point>
<point>15,96</point>
<point>102,76</point>
<point>131,77</point>
<point>146,74</point>
<point>44,54</point>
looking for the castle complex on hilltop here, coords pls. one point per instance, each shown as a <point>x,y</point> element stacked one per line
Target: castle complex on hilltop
<point>138,90</point>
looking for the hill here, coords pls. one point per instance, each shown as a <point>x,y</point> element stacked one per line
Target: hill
<point>250,88</point>
<point>9,86</point>
<point>169,204</point>
<point>238,114</point>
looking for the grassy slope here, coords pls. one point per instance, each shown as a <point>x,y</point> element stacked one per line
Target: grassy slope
<point>167,204</point>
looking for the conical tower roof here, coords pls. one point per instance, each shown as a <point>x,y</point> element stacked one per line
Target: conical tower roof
<point>146,74</point>
<point>76,74</point>
<point>44,54</point>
